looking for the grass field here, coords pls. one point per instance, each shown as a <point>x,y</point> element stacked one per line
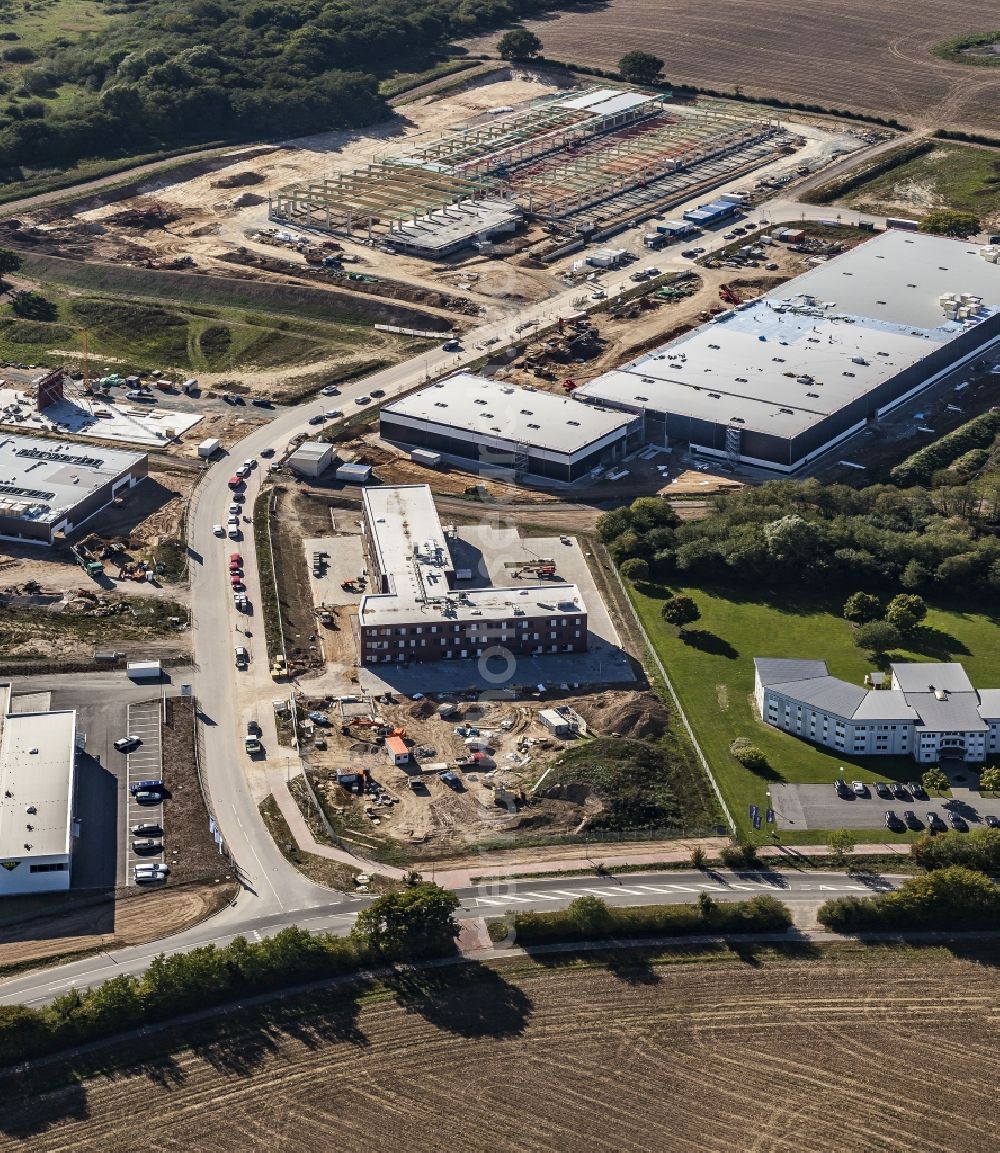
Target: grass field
<point>711,667</point>
<point>876,59</point>
<point>186,338</point>
<point>692,1052</point>
<point>950,176</point>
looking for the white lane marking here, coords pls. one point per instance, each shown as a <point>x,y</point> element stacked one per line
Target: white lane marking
<point>543,896</point>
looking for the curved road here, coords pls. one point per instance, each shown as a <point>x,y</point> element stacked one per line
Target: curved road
<point>273,892</point>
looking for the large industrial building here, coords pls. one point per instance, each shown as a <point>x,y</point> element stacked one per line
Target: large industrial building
<point>37,778</point>
<point>502,426</point>
<point>928,711</point>
<point>776,382</point>
<point>418,614</point>
<point>49,488</point>
<point>630,152</point>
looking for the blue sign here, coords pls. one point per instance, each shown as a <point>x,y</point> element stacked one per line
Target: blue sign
<point>769,816</point>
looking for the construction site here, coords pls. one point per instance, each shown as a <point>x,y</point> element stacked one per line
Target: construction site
<point>597,158</point>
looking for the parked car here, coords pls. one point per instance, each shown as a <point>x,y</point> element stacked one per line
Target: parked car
<point>892,822</point>
<point>219,529</point>
<point>859,788</point>
<point>452,780</point>
<point>146,786</point>
<point>149,874</point>
<point>378,392</point>
<point>318,718</point>
<point>362,400</point>
<point>899,792</point>
<point>333,413</point>
<point>261,402</point>
<point>959,823</point>
<point>267,452</point>
<point>250,464</point>
<point>147,797</point>
<point>147,846</point>
<point>935,824</point>
<point>317,419</point>
<point>917,790</point>
<point>234,511</point>
<point>842,788</point>
<point>236,558</point>
<point>882,790</point>
<point>991,821</point>
<point>912,820</point>
<point>126,744</point>
<point>242,657</point>
<point>330,390</point>
<point>147,829</point>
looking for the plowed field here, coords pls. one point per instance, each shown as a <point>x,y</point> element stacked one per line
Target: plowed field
<point>854,1050</point>
<point>873,58</point>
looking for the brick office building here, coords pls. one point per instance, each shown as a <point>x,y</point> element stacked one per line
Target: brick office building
<point>416,612</point>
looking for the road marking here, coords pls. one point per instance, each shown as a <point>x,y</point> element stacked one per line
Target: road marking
<point>544,896</point>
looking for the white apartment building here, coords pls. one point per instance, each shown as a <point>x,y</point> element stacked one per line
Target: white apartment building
<point>928,711</point>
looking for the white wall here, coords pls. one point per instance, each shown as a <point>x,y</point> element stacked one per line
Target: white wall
<point>21,879</point>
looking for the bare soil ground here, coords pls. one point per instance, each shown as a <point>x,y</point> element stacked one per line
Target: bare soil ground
<point>694,1051</point>
<point>106,924</point>
<point>296,518</point>
<point>877,60</point>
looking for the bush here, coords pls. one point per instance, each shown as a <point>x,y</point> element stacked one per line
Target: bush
<point>600,922</point>
<point>919,468</point>
<point>741,856</point>
<point>951,898</point>
<point>978,849</point>
<point>749,756</point>
<point>635,569</point>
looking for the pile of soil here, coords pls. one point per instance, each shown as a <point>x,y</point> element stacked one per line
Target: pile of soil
<point>248,200</point>
<point>238,180</point>
<point>629,714</point>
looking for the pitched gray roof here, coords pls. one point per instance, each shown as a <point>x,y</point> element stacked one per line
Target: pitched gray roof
<point>778,670</point>
<point>989,704</point>
<point>885,705</point>
<point>830,694</point>
<point>926,677</point>
<point>958,712</point>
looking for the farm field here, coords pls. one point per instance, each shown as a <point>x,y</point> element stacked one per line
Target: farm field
<point>875,59</point>
<point>712,671</point>
<point>704,1052</point>
<point>949,176</point>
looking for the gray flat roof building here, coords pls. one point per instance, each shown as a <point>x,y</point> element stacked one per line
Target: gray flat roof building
<point>501,425</point>
<point>779,380</point>
<point>50,487</point>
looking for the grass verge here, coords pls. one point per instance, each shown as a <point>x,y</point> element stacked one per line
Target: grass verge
<point>269,609</point>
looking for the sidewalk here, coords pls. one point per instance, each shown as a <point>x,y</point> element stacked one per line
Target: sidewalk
<point>308,843</point>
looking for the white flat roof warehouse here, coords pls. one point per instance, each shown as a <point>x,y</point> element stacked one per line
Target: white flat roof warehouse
<point>44,480</point>
<point>37,752</point>
<point>494,409</point>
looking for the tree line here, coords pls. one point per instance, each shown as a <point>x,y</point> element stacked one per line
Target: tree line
<point>417,922</point>
<point>164,74</point>
<point>805,533</point>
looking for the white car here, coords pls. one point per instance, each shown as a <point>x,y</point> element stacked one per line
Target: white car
<point>330,390</point>
<point>149,874</point>
<point>249,465</point>
<point>234,530</point>
<point>362,400</point>
<point>234,511</point>
<point>219,529</point>
<point>333,413</point>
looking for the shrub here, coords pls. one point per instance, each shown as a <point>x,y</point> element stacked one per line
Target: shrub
<point>741,856</point>
<point>635,569</point>
<point>951,898</point>
<point>920,467</point>
<point>978,849</point>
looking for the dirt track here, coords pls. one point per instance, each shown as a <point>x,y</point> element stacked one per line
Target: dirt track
<point>857,1050</point>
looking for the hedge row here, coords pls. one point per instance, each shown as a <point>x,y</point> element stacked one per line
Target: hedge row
<point>980,432</point>
<point>590,919</point>
<point>951,898</point>
<point>834,189</point>
<point>978,849</point>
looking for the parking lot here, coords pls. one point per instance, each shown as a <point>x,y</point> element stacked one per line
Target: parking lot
<point>819,807</point>
<point>145,763</point>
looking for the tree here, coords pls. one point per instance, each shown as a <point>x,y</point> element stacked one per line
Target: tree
<point>877,637</point>
<point>519,44</point>
<point>590,916</point>
<point>906,611</point>
<point>860,608</point>
<point>680,610</point>
<point>697,857</point>
<point>33,306</point>
<point>9,262</point>
<point>841,842</point>
<point>635,569</point>
<point>418,921</point>
<point>989,780</point>
<point>915,575</point>
<point>935,781</point>
<point>944,222</point>
<point>640,67</point>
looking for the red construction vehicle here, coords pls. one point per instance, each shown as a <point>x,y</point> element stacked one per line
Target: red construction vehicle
<point>728,294</point>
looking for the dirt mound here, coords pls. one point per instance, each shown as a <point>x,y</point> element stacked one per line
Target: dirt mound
<point>423,709</point>
<point>238,180</point>
<point>628,714</point>
<point>248,200</point>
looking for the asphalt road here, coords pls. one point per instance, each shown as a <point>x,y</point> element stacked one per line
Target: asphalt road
<point>336,916</point>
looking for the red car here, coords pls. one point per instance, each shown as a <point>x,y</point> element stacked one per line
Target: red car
<point>235,482</point>
<point>237,581</point>
<point>235,558</point>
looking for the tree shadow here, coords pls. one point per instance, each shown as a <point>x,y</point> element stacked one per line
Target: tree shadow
<point>27,1114</point>
<point>470,1000</point>
<point>931,642</point>
<point>709,643</point>
<point>632,967</point>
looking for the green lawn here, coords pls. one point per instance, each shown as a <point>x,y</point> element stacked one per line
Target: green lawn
<point>956,176</point>
<point>711,667</point>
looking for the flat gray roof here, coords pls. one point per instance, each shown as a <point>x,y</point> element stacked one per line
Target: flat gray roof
<point>465,220</point>
<point>927,676</point>
<point>785,362</point>
<point>481,408</point>
<point>311,450</point>
<point>37,758</point>
<point>43,480</point>
<point>899,276</point>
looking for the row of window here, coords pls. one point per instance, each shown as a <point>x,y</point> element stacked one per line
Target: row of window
<point>423,643</point>
<point>474,626</point>
<point>57,867</point>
